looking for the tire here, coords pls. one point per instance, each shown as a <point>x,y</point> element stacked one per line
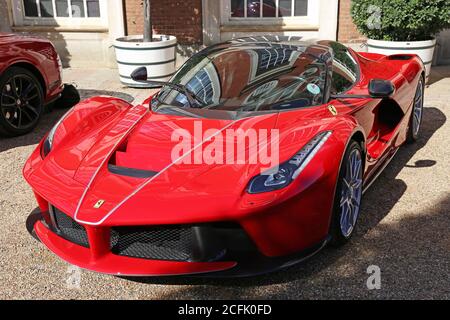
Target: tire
<point>21,102</point>
<point>417,113</point>
<point>340,231</point>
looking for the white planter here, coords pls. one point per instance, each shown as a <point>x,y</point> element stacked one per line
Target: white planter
<point>424,49</point>
<point>157,56</point>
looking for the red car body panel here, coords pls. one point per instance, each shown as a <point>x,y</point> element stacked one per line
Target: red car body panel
<point>106,262</point>
<point>102,130</point>
<point>36,54</point>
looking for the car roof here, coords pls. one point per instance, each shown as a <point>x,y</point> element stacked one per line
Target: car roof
<point>272,41</point>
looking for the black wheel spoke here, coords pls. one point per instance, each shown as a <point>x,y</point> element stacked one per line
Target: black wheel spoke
<point>7,95</point>
<point>20,87</point>
<point>11,110</point>
<point>8,105</point>
<point>27,115</point>
<point>31,98</point>
<point>19,117</point>
<point>16,89</point>
<point>27,91</point>
<point>13,88</point>
<point>31,108</point>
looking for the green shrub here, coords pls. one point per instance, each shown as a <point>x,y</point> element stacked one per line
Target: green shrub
<point>401,20</point>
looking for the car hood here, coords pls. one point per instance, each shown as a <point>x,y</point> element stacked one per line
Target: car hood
<point>142,153</point>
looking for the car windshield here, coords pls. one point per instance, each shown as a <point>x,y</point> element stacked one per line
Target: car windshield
<point>250,78</point>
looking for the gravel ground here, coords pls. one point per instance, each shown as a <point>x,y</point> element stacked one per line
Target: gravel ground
<point>404,229</point>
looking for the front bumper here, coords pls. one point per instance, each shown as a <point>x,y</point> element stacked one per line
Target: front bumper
<point>104,261</point>
<point>239,260</point>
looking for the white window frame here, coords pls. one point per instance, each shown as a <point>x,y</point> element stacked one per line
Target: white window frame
<point>311,19</point>
<point>68,22</point>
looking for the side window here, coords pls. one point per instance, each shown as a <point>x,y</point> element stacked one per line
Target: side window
<point>340,81</point>
<point>345,70</point>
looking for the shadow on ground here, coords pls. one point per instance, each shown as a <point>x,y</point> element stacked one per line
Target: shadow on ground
<point>423,228</point>
<point>50,118</point>
<point>438,74</point>
<point>87,93</point>
<point>403,250</point>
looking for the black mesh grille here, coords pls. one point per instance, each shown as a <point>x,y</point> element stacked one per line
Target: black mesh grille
<point>69,229</point>
<point>171,243</point>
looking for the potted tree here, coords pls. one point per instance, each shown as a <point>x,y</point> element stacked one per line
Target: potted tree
<point>155,52</point>
<point>399,26</point>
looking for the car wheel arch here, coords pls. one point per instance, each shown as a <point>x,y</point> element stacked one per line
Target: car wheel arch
<point>359,137</point>
<point>356,135</point>
<point>35,71</point>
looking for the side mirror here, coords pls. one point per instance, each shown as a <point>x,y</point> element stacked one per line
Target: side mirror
<point>140,74</point>
<point>381,88</point>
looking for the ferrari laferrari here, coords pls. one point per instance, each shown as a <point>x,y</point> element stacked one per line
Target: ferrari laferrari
<point>253,157</point>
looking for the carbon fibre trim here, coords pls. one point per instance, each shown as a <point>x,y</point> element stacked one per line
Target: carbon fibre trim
<point>131,172</point>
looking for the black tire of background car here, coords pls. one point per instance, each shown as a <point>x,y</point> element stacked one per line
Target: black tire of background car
<point>337,238</point>
<point>34,115</point>
<point>410,136</point>
<point>69,97</point>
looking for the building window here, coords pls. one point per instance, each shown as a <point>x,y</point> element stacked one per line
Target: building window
<point>285,13</point>
<point>61,8</point>
<point>70,14</point>
<point>268,8</point>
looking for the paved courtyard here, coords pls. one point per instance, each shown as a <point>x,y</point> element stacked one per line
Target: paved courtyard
<point>404,227</point>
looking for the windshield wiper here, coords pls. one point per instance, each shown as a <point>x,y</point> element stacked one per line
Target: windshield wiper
<point>193,99</point>
<point>140,75</point>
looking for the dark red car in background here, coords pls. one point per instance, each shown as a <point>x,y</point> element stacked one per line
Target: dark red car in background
<point>30,78</point>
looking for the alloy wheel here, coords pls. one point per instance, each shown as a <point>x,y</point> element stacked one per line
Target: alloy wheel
<point>351,193</point>
<point>418,108</point>
<point>21,101</point>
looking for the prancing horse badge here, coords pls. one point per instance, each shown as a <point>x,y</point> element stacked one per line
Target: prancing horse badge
<point>99,204</point>
<point>332,110</point>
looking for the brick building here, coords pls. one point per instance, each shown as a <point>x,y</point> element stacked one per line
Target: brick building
<point>210,21</point>
<point>347,31</point>
<point>180,18</point>
<point>83,35</point>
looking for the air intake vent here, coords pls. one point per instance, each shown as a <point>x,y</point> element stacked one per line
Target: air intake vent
<point>131,172</point>
<point>69,229</point>
<point>402,57</point>
<point>168,243</point>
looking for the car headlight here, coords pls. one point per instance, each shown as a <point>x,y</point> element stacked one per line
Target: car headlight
<point>48,143</point>
<point>289,170</point>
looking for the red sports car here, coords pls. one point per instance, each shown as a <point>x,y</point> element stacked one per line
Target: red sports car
<point>253,157</point>
<point>30,78</point>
